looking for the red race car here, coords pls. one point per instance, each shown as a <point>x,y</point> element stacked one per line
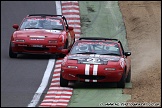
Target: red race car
<point>96,59</point>
<point>41,34</point>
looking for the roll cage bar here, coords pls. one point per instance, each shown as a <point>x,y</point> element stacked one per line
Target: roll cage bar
<point>102,38</point>
<point>44,15</point>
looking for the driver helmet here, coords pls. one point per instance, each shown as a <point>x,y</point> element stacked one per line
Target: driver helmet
<point>33,24</point>
<point>107,48</point>
<point>83,48</point>
<point>47,24</point>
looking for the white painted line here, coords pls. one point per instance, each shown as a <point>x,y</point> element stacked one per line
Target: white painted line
<point>70,6</point>
<point>68,97</point>
<point>54,96</point>
<point>55,104</point>
<point>72,16</point>
<point>45,104</point>
<point>73,21</point>
<point>58,83</point>
<point>58,74</point>
<point>74,25</point>
<point>62,92</point>
<point>57,70</point>
<point>56,79</point>
<point>58,7</point>
<point>69,1</point>
<point>52,100</point>
<point>63,100</point>
<point>66,11</point>
<point>59,61</point>
<point>43,84</point>
<point>77,30</point>
<point>60,88</point>
<point>47,100</point>
<point>57,65</point>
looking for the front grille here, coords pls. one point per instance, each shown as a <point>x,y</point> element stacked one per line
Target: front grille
<point>36,49</point>
<point>91,77</point>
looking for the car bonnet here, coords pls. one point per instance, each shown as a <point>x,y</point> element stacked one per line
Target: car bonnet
<point>93,58</point>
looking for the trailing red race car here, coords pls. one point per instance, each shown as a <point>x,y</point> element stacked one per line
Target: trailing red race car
<point>96,59</point>
<point>41,34</point>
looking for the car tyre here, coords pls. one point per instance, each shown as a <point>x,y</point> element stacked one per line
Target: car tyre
<point>121,83</point>
<point>66,44</point>
<point>63,82</point>
<point>74,39</point>
<point>62,55</point>
<point>11,53</point>
<point>128,79</point>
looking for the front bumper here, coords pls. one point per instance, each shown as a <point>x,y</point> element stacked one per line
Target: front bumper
<point>102,76</point>
<point>23,48</point>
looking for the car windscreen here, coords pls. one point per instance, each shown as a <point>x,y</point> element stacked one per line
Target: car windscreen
<point>42,23</point>
<point>96,47</point>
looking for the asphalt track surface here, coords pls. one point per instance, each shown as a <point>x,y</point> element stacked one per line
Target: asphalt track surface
<point>20,77</point>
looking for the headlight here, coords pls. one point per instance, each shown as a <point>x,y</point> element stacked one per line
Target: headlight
<point>20,40</point>
<point>73,67</point>
<point>110,69</point>
<point>52,41</point>
<point>61,38</point>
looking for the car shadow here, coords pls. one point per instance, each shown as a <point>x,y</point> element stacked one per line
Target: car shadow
<point>92,85</point>
<point>34,56</point>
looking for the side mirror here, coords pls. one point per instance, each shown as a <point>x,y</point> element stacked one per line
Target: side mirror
<point>127,53</point>
<point>70,28</point>
<point>15,26</point>
<point>65,51</point>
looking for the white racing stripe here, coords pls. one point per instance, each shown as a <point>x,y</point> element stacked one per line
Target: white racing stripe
<point>43,84</point>
<point>95,69</point>
<point>87,66</point>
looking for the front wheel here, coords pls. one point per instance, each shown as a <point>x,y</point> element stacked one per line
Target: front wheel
<point>66,44</point>
<point>11,53</point>
<point>63,82</point>
<point>74,39</point>
<point>128,79</point>
<point>121,83</point>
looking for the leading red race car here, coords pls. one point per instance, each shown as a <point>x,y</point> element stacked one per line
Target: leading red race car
<point>96,59</point>
<point>41,34</point>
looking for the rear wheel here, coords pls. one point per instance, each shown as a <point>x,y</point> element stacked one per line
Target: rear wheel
<point>128,79</point>
<point>11,53</point>
<point>121,83</point>
<point>63,82</point>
